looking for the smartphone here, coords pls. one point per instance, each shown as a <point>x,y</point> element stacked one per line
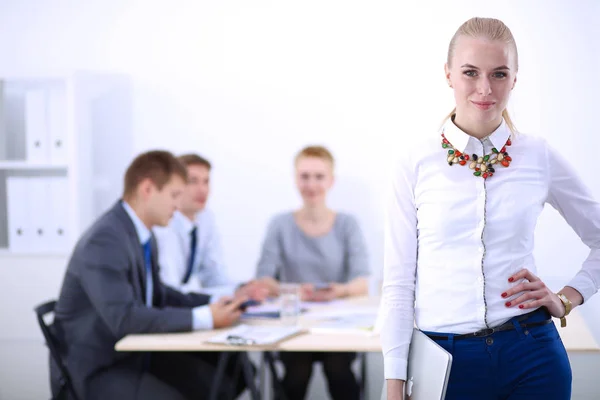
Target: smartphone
<point>249,303</point>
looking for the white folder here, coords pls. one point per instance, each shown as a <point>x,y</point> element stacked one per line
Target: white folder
<point>19,232</point>
<point>57,126</point>
<point>36,126</point>
<point>58,196</point>
<point>39,213</point>
<point>3,132</point>
<point>428,369</point>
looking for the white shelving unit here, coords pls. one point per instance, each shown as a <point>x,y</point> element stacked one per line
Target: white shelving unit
<point>59,136</point>
<point>25,166</point>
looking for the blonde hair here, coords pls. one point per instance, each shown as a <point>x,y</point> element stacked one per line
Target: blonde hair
<point>491,29</point>
<point>317,152</point>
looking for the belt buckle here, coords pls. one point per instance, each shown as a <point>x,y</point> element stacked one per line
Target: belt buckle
<point>484,332</point>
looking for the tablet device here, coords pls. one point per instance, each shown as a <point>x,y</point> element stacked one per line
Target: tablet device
<point>428,369</point>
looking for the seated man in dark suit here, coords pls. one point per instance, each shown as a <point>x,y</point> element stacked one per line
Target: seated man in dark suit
<point>112,288</point>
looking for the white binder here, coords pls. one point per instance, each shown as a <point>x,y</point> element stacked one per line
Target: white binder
<point>36,126</point>
<point>19,232</point>
<point>39,214</point>
<point>57,127</point>
<point>58,199</point>
<point>3,133</point>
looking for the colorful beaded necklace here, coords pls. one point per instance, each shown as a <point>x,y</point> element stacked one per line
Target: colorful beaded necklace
<point>483,166</point>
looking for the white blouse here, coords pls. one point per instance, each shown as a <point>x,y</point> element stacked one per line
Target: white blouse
<point>453,239</point>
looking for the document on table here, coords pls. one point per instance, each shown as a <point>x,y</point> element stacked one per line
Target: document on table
<point>249,335</point>
<point>356,324</point>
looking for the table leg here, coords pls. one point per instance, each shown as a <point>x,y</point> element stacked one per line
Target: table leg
<point>249,375</point>
<point>363,375</point>
<point>216,386</point>
<point>279,392</point>
<point>236,375</point>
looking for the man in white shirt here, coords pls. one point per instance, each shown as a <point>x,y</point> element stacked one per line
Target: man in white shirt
<point>191,257</point>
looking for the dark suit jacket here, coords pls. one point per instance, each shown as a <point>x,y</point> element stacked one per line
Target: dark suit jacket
<point>103,299</point>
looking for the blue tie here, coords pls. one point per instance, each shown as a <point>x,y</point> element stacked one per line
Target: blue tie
<point>148,263</point>
<point>190,263</point>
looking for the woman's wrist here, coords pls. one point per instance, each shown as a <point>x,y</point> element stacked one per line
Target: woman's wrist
<point>395,389</point>
<point>573,295</point>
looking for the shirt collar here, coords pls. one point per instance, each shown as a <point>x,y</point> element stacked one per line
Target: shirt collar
<point>142,231</point>
<point>460,140</point>
<point>183,223</point>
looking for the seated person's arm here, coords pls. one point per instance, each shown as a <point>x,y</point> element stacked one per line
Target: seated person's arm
<point>358,286</point>
<point>174,298</point>
<point>214,273</point>
<point>270,261</point>
<point>357,261</point>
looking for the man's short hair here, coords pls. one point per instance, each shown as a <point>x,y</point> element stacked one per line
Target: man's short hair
<point>157,165</point>
<point>194,159</point>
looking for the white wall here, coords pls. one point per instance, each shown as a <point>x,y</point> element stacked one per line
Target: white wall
<point>248,83</point>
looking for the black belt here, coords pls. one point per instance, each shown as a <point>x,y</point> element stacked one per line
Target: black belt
<point>507,326</point>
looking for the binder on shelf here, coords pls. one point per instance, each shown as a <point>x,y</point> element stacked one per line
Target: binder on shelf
<point>36,135</point>
<point>3,135</point>
<point>39,214</point>
<point>58,196</point>
<point>57,126</point>
<point>19,233</point>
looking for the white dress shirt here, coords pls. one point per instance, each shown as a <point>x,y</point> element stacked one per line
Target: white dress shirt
<point>209,274</point>
<point>452,239</point>
<point>201,316</point>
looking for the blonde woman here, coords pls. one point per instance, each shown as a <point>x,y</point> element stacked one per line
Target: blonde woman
<point>459,237</point>
<point>324,250</point>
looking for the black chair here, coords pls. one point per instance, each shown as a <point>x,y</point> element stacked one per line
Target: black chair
<point>66,391</point>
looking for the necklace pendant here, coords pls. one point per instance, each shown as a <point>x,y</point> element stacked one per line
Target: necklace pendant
<point>483,166</point>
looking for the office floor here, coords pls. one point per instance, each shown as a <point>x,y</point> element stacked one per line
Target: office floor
<point>23,374</point>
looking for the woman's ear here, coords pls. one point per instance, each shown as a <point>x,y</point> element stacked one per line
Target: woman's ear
<point>447,73</point>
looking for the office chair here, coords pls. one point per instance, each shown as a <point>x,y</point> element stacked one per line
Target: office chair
<point>66,391</point>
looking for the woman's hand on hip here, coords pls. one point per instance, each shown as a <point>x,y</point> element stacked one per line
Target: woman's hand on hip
<point>533,293</point>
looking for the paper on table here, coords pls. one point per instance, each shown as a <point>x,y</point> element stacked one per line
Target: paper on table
<point>342,310</point>
<point>270,309</point>
<point>254,335</point>
<point>357,324</point>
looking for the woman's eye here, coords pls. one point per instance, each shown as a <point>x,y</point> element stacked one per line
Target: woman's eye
<point>500,75</point>
<point>470,73</point>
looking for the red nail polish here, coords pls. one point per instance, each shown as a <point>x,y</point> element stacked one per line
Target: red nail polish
<point>508,304</point>
<point>520,305</point>
<point>511,279</point>
<point>504,294</point>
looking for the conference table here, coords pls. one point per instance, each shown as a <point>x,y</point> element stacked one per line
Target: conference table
<point>576,338</point>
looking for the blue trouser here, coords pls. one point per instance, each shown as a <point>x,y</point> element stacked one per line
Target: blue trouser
<point>526,363</point>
